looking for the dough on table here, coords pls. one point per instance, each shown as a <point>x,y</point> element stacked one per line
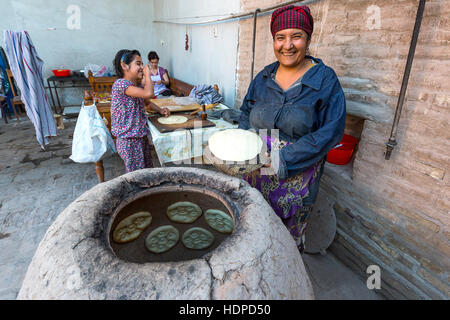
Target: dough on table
<point>132,226</point>
<point>219,220</point>
<point>162,239</point>
<point>235,145</point>
<point>172,120</point>
<point>197,238</point>
<point>184,212</point>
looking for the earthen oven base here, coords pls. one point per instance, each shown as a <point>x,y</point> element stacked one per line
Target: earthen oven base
<point>73,260</point>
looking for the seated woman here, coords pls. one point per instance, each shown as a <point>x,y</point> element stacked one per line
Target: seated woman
<point>159,76</point>
<point>299,98</point>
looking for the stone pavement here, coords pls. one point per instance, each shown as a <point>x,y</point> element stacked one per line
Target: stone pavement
<point>37,185</point>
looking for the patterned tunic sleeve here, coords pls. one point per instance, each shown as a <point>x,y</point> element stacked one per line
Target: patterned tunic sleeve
<point>120,86</point>
<point>127,113</point>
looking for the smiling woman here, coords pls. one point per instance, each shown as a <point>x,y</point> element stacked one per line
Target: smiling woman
<point>290,47</point>
<point>299,99</point>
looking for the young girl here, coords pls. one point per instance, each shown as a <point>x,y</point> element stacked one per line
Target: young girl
<point>128,120</point>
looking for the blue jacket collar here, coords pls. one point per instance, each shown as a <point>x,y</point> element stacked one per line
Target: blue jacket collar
<point>313,78</point>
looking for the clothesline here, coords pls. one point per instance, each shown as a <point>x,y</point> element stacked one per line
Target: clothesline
<point>245,15</point>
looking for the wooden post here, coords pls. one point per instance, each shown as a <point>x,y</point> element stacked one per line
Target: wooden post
<point>100,171</point>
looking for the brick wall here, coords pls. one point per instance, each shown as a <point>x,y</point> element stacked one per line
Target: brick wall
<point>391,213</point>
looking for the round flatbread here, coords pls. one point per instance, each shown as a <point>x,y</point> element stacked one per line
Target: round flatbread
<point>235,145</point>
<point>219,220</point>
<point>132,226</point>
<point>197,238</point>
<point>162,239</point>
<point>172,120</point>
<point>184,212</point>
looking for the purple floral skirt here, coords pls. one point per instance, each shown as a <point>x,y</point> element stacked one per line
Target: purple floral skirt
<point>135,153</point>
<point>285,196</point>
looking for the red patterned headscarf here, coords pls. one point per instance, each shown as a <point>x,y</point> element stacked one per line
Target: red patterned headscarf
<point>298,17</point>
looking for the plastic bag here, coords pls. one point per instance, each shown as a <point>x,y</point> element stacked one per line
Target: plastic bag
<point>92,141</point>
<point>97,71</point>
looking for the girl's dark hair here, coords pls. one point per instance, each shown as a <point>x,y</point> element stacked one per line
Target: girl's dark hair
<point>125,55</point>
<point>152,55</point>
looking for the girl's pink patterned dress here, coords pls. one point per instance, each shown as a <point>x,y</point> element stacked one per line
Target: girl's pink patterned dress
<point>129,126</point>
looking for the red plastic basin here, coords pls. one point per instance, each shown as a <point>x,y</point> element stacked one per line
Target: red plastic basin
<point>342,155</point>
<point>61,72</point>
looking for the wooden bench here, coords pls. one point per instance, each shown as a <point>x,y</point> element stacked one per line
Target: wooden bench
<point>180,88</point>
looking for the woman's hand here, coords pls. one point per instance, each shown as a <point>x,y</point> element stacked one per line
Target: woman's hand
<point>146,71</point>
<point>165,112</point>
<point>158,82</point>
<point>145,93</point>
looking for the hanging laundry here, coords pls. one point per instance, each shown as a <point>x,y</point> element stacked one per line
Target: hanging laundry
<point>26,67</point>
<point>205,94</point>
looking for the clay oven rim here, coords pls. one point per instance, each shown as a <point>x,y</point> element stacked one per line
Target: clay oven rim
<point>169,188</point>
<point>260,246</point>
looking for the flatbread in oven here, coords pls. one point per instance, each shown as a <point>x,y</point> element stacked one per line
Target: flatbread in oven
<point>219,220</point>
<point>184,212</point>
<point>162,239</point>
<point>132,227</point>
<point>197,238</point>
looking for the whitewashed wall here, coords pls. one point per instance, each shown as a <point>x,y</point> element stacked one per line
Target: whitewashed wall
<point>211,58</point>
<point>110,25</point>
<point>105,27</point>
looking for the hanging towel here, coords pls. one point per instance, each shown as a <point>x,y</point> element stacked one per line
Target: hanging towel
<point>26,67</point>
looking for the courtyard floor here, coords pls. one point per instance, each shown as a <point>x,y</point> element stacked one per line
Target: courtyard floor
<point>37,185</point>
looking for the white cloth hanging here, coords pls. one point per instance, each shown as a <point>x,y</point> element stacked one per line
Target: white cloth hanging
<point>26,67</point>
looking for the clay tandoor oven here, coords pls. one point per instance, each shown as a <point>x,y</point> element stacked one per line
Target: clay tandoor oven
<point>79,258</point>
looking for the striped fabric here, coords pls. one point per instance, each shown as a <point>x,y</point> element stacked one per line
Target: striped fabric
<point>26,67</point>
<point>289,17</point>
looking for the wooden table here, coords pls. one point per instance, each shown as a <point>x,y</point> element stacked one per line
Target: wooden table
<point>182,146</point>
<point>69,82</point>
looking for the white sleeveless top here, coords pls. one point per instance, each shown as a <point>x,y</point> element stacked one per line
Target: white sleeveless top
<point>158,88</point>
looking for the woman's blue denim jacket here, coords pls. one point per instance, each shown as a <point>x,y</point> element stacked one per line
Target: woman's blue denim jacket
<point>311,115</point>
